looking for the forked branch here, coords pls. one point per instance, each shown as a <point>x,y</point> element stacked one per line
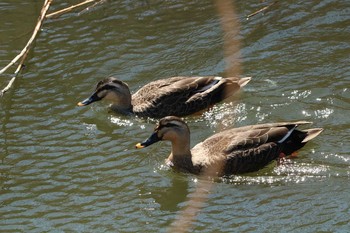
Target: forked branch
<point>23,54</point>
<point>65,10</point>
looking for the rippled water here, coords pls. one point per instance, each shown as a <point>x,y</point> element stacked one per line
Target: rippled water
<point>65,168</point>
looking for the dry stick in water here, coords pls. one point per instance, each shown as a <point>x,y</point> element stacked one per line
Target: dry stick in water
<point>261,10</point>
<point>230,26</point>
<point>23,54</point>
<point>18,70</point>
<point>68,8</point>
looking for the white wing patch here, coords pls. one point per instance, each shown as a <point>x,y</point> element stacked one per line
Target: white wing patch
<point>210,85</point>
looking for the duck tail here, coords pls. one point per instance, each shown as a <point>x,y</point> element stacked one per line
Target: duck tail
<point>311,134</point>
<point>232,85</point>
<point>243,81</point>
<point>298,138</point>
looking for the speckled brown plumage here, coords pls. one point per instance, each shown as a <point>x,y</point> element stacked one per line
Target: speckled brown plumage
<point>178,96</point>
<point>233,151</point>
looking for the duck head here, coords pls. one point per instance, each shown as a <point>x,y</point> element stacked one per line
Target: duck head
<point>111,89</point>
<point>169,128</point>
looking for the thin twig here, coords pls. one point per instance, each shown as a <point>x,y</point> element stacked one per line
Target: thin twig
<point>23,54</point>
<point>92,6</point>
<point>68,8</point>
<point>261,10</point>
<point>37,27</point>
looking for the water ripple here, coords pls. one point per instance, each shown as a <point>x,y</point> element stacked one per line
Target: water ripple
<point>65,168</point>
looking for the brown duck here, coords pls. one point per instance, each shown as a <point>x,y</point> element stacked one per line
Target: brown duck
<point>178,96</point>
<point>233,151</point>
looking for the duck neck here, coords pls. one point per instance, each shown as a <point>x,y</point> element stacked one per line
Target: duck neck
<point>123,110</point>
<point>122,103</point>
<point>181,157</point>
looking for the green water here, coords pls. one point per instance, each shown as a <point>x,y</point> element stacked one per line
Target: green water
<point>70,169</point>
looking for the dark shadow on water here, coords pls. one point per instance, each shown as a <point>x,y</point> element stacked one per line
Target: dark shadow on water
<point>170,197</point>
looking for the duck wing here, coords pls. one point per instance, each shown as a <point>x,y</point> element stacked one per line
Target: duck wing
<point>249,148</point>
<point>180,96</point>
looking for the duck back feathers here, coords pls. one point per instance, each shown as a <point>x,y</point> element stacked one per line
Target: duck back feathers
<point>182,96</point>
<point>250,148</point>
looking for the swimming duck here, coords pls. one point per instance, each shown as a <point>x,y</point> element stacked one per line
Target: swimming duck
<point>178,96</point>
<point>233,151</point>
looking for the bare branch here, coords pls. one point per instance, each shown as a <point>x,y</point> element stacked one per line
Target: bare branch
<point>37,27</point>
<point>92,6</point>
<point>68,8</point>
<point>23,54</point>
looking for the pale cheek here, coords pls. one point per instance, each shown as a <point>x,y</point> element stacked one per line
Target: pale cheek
<point>111,96</point>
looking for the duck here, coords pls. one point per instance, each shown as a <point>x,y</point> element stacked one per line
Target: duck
<point>233,151</point>
<point>178,96</point>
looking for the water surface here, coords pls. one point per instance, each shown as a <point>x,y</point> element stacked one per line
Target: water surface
<point>65,168</point>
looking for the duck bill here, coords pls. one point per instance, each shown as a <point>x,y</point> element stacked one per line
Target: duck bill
<point>149,141</point>
<point>91,99</point>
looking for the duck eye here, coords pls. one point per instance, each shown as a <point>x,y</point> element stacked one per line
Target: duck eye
<point>104,89</point>
<point>108,87</point>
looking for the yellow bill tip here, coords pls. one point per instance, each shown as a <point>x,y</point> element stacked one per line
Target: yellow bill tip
<point>139,146</point>
<point>80,104</point>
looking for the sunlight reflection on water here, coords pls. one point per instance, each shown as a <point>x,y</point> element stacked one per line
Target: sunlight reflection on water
<point>122,122</point>
<point>65,168</point>
<point>225,115</point>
